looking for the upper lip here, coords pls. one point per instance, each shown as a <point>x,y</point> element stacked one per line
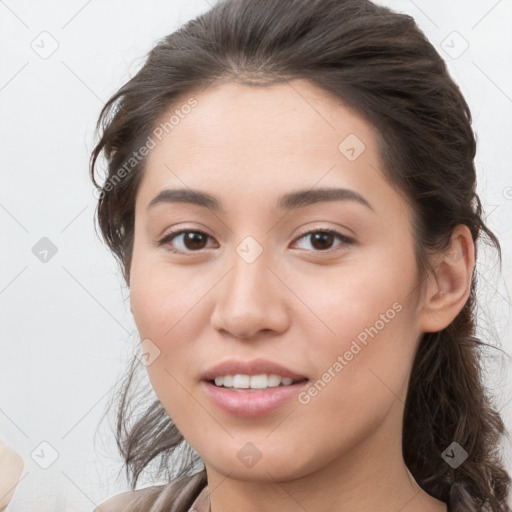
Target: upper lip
<point>253,367</point>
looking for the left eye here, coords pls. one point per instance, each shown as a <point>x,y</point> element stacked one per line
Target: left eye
<point>194,241</point>
<point>321,238</point>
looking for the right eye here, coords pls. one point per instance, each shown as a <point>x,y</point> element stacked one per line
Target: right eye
<point>191,240</point>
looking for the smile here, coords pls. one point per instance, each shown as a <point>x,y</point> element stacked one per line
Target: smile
<point>248,382</point>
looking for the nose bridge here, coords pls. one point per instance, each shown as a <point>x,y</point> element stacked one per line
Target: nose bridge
<point>249,299</point>
<point>250,274</point>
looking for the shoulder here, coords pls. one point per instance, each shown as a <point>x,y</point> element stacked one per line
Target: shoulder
<point>120,502</point>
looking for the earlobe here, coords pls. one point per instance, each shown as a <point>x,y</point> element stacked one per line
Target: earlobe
<point>449,289</point>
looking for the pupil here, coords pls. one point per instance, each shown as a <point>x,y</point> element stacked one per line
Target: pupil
<point>193,237</point>
<point>322,237</point>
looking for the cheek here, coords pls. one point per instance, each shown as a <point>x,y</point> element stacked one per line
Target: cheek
<point>367,337</point>
<point>357,385</point>
<point>165,307</point>
<point>161,297</point>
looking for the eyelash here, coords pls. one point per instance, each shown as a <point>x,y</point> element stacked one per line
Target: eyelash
<point>173,234</point>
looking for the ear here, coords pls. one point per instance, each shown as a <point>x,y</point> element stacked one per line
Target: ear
<point>449,287</point>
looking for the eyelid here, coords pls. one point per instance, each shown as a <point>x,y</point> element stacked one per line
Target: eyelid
<point>323,229</point>
<point>346,241</point>
<point>173,233</point>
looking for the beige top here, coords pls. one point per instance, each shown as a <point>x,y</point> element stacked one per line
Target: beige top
<point>202,502</point>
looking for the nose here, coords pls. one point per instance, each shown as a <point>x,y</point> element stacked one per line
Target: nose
<point>251,300</point>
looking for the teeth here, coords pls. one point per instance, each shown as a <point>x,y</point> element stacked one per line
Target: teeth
<point>252,381</point>
<point>241,381</point>
<point>273,381</point>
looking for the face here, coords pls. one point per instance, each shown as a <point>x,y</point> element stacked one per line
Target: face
<point>322,286</point>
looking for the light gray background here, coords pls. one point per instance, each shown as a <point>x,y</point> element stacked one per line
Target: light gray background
<point>67,332</point>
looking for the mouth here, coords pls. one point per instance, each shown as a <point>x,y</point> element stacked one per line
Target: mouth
<point>251,388</point>
<point>253,383</point>
<point>254,374</point>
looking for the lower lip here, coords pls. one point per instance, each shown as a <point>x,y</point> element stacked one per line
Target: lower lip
<point>251,404</point>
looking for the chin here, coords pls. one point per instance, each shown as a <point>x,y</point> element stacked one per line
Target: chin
<point>259,462</point>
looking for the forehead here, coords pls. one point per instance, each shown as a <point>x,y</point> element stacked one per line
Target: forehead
<point>251,142</point>
<point>241,118</point>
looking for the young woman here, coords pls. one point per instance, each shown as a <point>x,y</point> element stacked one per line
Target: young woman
<point>291,195</point>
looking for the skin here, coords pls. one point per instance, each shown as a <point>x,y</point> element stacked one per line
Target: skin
<point>11,467</point>
<point>295,304</point>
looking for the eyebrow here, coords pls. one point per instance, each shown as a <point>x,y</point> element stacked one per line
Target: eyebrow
<point>290,201</point>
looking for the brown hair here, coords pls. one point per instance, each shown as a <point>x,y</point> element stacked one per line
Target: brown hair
<point>381,64</point>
